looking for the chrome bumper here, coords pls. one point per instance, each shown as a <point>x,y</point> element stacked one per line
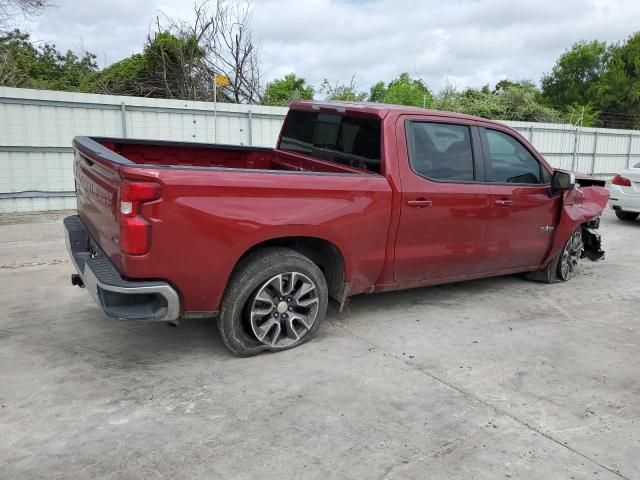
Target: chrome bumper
<point>118,298</point>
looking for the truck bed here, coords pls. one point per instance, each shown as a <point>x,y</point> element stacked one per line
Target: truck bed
<point>185,154</point>
<point>208,205</point>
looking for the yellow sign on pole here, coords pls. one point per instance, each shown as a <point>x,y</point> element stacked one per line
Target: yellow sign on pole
<point>221,80</point>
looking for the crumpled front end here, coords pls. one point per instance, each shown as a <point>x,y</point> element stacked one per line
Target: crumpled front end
<point>582,206</point>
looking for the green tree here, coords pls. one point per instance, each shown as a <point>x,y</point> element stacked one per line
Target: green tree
<point>282,91</point>
<point>505,84</point>
<point>508,101</point>
<point>183,59</point>
<point>378,93</point>
<point>522,101</point>
<point>23,64</point>
<point>620,88</point>
<point>342,92</point>
<point>125,77</point>
<point>597,84</point>
<point>576,79</point>
<point>168,67</point>
<point>404,90</point>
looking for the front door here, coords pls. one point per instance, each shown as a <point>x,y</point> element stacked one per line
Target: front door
<point>524,215</point>
<point>445,210</point>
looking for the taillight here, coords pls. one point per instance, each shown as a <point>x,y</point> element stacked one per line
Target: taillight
<point>623,182</point>
<point>135,231</point>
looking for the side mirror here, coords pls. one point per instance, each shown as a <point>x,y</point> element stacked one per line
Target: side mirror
<point>562,180</point>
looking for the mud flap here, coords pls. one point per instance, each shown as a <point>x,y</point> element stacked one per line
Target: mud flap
<point>546,275</point>
<point>344,297</point>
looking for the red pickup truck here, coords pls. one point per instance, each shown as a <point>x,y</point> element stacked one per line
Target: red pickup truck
<point>355,198</point>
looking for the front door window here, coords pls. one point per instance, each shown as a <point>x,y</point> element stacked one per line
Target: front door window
<point>508,161</point>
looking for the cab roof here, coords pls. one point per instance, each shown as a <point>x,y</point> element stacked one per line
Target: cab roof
<point>380,110</point>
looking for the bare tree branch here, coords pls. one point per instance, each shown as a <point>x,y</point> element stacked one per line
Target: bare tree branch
<point>10,9</point>
<point>223,33</point>
<point>182,59</point>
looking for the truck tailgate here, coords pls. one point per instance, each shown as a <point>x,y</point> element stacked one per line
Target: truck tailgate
<point>97,185</point>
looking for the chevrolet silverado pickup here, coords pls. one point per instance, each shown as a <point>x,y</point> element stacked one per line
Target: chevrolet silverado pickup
<point>355,198</point>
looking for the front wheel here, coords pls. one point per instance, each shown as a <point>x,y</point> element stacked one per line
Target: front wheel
<point>275,300</point>
<point>571,254</point>
<point>626,216</point>
<point>564,266</point>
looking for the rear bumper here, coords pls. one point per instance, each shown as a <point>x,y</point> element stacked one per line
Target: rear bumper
<point>619,199</point>
<point>118,298</point>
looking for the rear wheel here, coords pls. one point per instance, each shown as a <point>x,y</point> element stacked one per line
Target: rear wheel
<point>626,216</point>
<point>276,300</point>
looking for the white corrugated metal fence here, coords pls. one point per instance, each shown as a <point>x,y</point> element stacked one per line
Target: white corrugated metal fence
<point>37,126</point>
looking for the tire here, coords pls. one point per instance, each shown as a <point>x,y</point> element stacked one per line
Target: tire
<point>275,300</point>
<point>626,216</point>
<point>563,267</point>
<point>570,256</point>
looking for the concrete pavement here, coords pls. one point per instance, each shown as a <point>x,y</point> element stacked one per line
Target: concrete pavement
<point>489,379</point>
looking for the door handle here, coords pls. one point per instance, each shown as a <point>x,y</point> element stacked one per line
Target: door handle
<point>503,203</point>
<point>419,203</point>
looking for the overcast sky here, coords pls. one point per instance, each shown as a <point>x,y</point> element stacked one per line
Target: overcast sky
<point>463,42</point>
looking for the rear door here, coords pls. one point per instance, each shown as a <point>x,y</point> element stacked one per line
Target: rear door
<point>445,207</point>
<point>523,214</point>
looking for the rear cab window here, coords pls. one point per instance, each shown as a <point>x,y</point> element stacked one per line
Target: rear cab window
<point>351,141</point>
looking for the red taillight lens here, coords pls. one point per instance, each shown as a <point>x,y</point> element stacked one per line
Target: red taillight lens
<point>134,235</point>
<point>623,182</point>
<point>135,231</point>
<point>139,191</point>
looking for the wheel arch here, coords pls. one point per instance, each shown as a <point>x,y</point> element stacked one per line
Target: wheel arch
<point>325,254</point>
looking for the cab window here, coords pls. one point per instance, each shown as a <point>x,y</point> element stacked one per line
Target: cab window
<point>441,151</point>
<point>351,141</point>
<point>508,161</point>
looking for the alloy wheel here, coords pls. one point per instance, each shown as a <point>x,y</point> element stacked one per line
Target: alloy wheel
<point>570,256</point>
<point>284,309</point>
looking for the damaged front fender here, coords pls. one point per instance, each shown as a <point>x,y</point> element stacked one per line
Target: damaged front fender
<point>581,207</point>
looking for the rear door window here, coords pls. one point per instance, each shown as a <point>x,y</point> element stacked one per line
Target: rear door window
<point>441,151</point>
<point>350,141</point>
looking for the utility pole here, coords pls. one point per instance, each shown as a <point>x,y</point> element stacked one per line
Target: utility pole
<point>215,111</point>
<point>218,81</point>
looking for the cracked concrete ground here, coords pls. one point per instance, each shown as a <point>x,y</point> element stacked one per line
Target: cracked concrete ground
<point>490,379</point>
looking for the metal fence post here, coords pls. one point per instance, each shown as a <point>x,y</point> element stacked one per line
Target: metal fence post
<point>629,150</point>
<point>123,111</point>
<point>250,127</point>
<point>595,152</point>
<point>574,159</point>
